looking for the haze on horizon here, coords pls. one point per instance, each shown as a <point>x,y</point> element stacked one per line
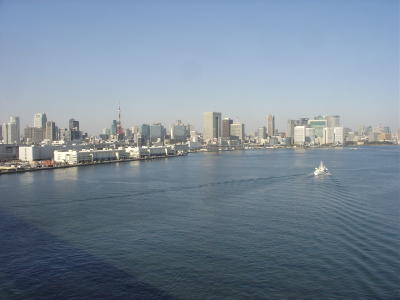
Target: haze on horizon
<point>165,61</point>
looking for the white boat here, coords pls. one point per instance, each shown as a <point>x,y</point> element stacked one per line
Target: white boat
<point>321,170</point>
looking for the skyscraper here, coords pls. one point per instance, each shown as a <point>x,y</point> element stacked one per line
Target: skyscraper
<point>39,120</point>
<point>15,139</point>
<point>50,131</point>
<point>290,129</point>
<point>237,130</point>
<point>74,129</point>
<point>114,127</point>
<point>271,125</point>
<point>226,127</point>
<point>211,125</point>
<point>145,134</point>
<point>157,132</point>
<point>299,135</point>
<point>332,121</point>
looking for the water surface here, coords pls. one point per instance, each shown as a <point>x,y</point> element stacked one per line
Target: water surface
<point>234,225</point>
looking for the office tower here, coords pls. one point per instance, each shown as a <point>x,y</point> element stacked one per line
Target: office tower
<point>178,132</point>
<point>73,124</point>
<point>211,125</point>
<point>299,135</point>
<point>157,132</point>
<point>302,122</point>
<point>4,132</point>
<point>226,127</point>
<point>114,127</point>
<point>237,130</point>
<point>65,135</point>
<point>332,121</point>
<point>328,136</point>
<point>1,132</point>
<point>145,133</point>
<point>50,131</point>
<point>261,132</point>
<point>76,134</point>
<point>290,129</point>
<point>39,120</point>
<point>271,125</point>
<point>310,135</point>
<point>338,135</point>
<point>15,120</point>
<point>319,126</point>
<point>33,134</point>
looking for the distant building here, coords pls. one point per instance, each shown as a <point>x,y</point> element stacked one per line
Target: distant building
<point>114,127</point>
<point>226,127</point>
<point>211,125</point>
<point>299,135</point>
<point>76,134</point>
<point>39,120</point>
<point>145,134</point>
<point>271,125</point>
<point>328,136</point>
<point>310,135</point>
<point>319,126</point>
<point>33,135</point>
<point>237,130</point>
<point>262,132</point>
<point>8,152</point>
<point>290,131</point>
<point>338,135</point>
<point>10,131</point>
<point>157,132</point>
<point>51,131</point>
<point>332,121</point>
<point>178,132</point>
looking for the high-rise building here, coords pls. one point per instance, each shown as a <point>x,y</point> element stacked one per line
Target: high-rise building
<point>328,136</point>
<point>178,132</point>
<point>1,132</point>
<point>290,130</point>
<point>17,128</point>
<point>338,135</point>
<point>50,131</point>
<point>76,134</point>
<point>319,126</point>
<point>261,132</point>
<point>211,125</point>
<point>157,132</point>
<point>226,127</point>
<point>145,133</point>
<point>299,135</point>
<point>4,132</point>
<point>302,122</point>
<point>237,130</point>
<point>332,121</point>
<point>33,135</point>
<point>39,120</point>
<point>310,135</point>
<point>271,125</point>
<point>114,127</point>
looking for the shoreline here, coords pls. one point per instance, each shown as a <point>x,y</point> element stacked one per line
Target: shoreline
<point>17,171</point>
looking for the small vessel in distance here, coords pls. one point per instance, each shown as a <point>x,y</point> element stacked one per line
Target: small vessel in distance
<point>321,170</point>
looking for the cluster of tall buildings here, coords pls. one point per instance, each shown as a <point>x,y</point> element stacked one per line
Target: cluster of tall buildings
<point>216,129</point>
<point>322,130</point>
<point>43,130</point>
<point>10,132</point>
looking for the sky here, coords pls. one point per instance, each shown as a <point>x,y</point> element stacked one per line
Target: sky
<point>173,60</point>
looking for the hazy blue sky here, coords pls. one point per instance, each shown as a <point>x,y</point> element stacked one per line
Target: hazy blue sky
<point>169,60</point>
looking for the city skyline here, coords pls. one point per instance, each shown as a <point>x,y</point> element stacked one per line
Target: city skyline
<point>163,63</point>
